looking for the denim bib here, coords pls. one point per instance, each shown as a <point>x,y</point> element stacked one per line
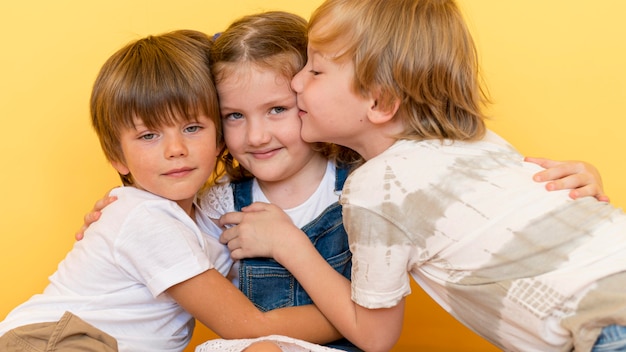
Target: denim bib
<point>268,284</point>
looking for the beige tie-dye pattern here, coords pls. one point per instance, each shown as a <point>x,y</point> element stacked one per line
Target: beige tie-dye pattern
<point>495,249</point>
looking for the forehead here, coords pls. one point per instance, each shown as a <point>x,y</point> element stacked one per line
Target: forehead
<point>249,89</point>
<point>335,52</point>
<point>246,73</point>
<point>335,37</point>
<point>326,61</point>
<point>162,118</point>
<point>246,77</point>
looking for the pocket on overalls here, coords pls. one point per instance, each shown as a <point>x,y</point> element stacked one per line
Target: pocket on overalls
<point>267,284</point>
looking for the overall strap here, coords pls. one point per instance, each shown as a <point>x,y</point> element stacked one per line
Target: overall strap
<point>341,174</point>
<point>242,193</point>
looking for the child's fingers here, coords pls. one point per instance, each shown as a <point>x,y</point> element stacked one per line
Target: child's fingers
<point>543,162</point>
<point>102,203</point>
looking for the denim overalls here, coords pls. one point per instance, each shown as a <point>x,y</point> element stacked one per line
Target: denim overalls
<point>268,284</point>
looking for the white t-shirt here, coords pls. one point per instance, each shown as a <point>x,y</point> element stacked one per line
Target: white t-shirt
<point>116,276</point>
<point>218,200</point>
<point>521,266</point>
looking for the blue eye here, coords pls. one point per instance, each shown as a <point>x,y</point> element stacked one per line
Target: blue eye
<point>233,116</point>
<point>148,136</point>
<point>278,109</point>
<point>192,129</point>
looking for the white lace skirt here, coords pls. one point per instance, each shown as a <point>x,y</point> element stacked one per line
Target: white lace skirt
<point>287,344</point>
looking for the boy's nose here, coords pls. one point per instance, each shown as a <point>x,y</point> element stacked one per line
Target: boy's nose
<point>175,147</point>
<point>296,82</point>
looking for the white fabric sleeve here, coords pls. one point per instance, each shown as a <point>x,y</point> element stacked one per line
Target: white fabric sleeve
<point>161,246</point>
<point>381,255</point>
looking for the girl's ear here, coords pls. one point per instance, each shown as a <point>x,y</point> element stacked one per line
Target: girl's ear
<point>380,113</point>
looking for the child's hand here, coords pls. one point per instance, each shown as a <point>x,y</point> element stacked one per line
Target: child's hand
<point>582,178</point>
<point>94,215</point>
<point>260,230</point>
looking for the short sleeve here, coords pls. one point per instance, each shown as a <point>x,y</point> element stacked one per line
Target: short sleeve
<point>160,246</point>
<point>380,258</point>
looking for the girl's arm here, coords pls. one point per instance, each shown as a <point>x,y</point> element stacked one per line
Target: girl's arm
<point>264,230</point>
<point>220,306</point>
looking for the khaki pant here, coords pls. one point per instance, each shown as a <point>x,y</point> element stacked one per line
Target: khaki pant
<point>70,334</point>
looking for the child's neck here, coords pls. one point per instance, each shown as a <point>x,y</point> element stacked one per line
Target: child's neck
<point>188,207</point>
<point>379,138</point>
<point>295,190</point>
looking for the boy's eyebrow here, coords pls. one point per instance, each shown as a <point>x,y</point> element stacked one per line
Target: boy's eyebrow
<point>312,52</point>
<point>321,55</point>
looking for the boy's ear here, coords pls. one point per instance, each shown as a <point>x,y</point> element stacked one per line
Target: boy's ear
<point>120,167</point>
<point>379,113</point>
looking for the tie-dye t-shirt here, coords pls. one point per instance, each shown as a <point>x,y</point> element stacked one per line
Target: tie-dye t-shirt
<point>528,269</point>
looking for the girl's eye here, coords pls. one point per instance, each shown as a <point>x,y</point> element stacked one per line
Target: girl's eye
<point>192,128</point>
<point>314,73</point>
<point>233,116</point>
<point>277,110</point>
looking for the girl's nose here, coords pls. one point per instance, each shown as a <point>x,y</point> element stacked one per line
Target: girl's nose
<point>257,133</point>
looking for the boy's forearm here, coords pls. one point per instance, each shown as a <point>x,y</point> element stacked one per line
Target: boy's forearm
<point>370,329</point>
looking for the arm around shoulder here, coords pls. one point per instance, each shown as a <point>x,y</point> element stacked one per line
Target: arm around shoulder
<point>220,306</point>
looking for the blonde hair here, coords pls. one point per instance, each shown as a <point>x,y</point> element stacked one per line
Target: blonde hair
<point>156,79</point>
<point>415,52</point>
<point>275,41</point>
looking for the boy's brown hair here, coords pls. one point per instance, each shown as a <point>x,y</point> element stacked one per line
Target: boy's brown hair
<point>156,79</point>
<point>415,53</point>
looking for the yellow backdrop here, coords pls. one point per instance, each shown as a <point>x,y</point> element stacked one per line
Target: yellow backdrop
<point>556,72</point>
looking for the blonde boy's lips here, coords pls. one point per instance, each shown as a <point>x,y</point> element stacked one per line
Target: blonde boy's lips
<point>301,113</point>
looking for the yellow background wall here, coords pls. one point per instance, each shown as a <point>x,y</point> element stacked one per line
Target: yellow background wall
<point>556,71</point>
